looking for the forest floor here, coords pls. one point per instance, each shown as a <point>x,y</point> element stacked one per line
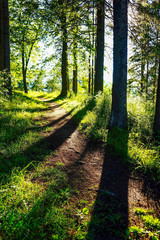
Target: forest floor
<point>97,174</point>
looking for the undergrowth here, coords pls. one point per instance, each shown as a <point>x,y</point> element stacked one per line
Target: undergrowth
<point>19,131</point>
<point>35,200</point>
<point>149,225</point>
<point>38,204</point>
<point>135,145</point>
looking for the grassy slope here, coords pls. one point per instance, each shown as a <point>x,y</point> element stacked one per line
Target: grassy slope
<point>28,209</point>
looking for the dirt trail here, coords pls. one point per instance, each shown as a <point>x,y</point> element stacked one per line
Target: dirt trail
<point>94,170</point>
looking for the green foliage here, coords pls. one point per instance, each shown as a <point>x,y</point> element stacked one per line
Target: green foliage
<point>151,225</point>
<point>34,204</point>
<point>136,232</point>
<point>4,82</point>
<point>142,211</point>
<point>26,31</point>
<point>151,222</point>
<point>134,145</point>
<point>37,205</point>
<point>18,131</point>
<point>28,211</point>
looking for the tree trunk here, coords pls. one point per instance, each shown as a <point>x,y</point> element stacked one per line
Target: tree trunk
<point>24,67</point>
<point>142,72</point>
<point>119,89</point>
<point>156,126</point>
<point>75,67</point>
<point>89,73</point>
<point>99,48</point>
<point>64,68</point>
<point>154,80</point>
<point>1,38</point>
<point>93,54</point>
<point>147,75</point>
<point>4,43</point>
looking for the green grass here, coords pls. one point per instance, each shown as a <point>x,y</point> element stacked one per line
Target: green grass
<point>38,206</point>
<point>36,201</point>
<point>135,145</point>
<point>150,223</point>
<point>19,131</point>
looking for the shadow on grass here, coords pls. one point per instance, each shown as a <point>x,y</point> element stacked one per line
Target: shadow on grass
<point>23,96</point>
<point>109,218</point>
<point>46,145</point>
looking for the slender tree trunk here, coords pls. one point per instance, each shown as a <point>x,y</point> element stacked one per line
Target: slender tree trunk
<point>147,75</point>
<point>99,47</point>
<point>64,69</point>
<point>156,126</point>
<point>75,45</point>
<point>89,73</point>
<point>119,89</point>
<point>24,67</point>
<point>75,67</point>
<point>154,80</point>
<point>4,43</point>
<point>142,72</point>
<point>93,55</point>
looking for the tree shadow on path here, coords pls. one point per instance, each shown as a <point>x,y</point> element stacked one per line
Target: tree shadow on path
<point>48,143</point>
<point>109,220</point>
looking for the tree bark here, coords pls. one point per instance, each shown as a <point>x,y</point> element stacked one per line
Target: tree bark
<point>99,65</point>
<point>147,76</point>
<point>75,67</point>
<point>119,89</point>
<point>64,68</point>
<point>24,67</point>
<point>89,73</point>
<point>142,71</point>
<point>154,80</point>
<point>4,44</point>
<point>1,38</point>
<point>156,126</point>
<point>93,54</point>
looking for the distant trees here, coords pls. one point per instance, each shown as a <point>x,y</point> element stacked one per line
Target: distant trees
<point>26,31</point>
<point>4,44</point>
<point>119,88</point>
<point>144,31</point>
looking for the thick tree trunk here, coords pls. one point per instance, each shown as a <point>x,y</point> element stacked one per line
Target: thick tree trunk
<point>4,43</point>
<point>119,89</point>
<point>99,47</point>
<point>1,38</point>
<point>156,126</point>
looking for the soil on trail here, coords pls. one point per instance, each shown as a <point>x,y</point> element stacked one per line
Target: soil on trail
<point>95,171</point>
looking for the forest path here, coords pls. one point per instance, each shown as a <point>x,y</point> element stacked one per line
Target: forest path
<point>97,174</point>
